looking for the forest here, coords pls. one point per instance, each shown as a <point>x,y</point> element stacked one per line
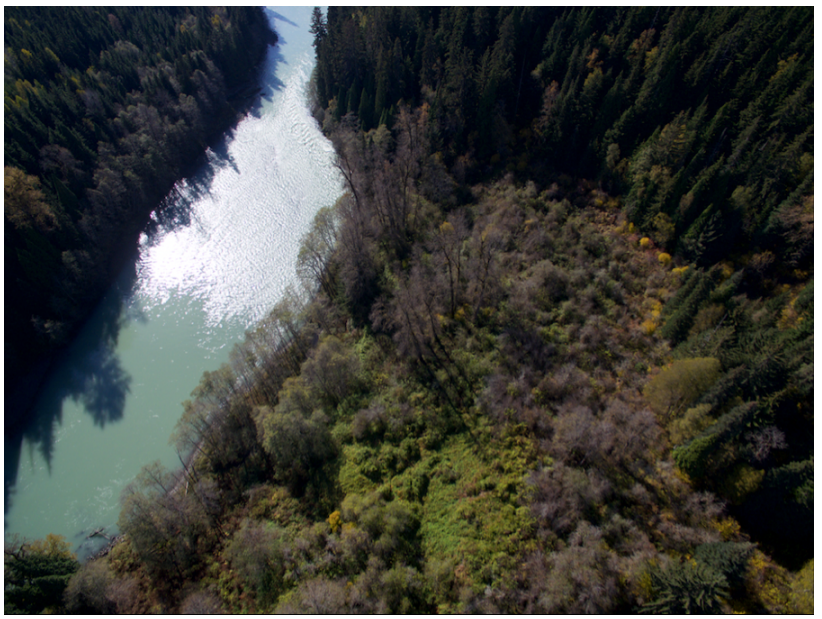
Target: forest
<point>103,110</point>
<point>553,350</point>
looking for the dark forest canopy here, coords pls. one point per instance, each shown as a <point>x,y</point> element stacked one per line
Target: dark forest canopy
<point>103,109</point>
<point>702,118</point>
<point>556,351</point>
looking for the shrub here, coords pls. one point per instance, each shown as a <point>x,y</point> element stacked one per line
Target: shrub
<point>582,576</point>
<point>679,384</point>
<point>166,528</point>
<point>254,553</point>
<point>319,596</point>
<point>402,590</point>
<point>334,521</point>
<point>648,327</point>
<point>692,422</point>
<point>726,558</point>
<point>563,495</point>
<point>87,591</point>
<point>800,598</point>
<point>332,371</point>
<point>393,526</point>
<point>687,587</point>
<point>741,482</point>
<point>296,444</point>
<point>202,603</point>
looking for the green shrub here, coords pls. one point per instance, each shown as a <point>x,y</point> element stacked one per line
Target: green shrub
<point>679,384</point>
<point>726,558</point>
<point>692,423</point>
<point>687,588</point>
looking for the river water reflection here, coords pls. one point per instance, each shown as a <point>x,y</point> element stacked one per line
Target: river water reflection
<point>212,262</point>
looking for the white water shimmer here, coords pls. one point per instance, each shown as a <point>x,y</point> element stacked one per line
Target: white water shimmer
<point>214,260</point>
<point>239,250</point>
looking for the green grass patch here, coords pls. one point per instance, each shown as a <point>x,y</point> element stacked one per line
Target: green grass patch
<point>471,513</point>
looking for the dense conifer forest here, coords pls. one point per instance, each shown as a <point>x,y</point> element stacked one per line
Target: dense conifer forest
<point>554,347</point>
<point>103,109</point>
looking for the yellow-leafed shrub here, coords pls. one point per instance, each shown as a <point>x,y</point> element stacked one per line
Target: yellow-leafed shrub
<point>334,520</point>
<point>679,384</point>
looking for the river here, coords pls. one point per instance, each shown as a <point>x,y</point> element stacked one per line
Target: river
<point>214,260</point>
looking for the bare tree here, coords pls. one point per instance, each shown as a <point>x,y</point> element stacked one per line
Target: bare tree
<point>448,243</point>
<point>487,242</point>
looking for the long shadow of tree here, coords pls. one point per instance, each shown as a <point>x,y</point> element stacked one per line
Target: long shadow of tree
<point>279,17</point>
<point>88,372</point>
<point>269,82</point>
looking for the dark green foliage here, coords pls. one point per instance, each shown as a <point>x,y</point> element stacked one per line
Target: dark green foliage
<point>690,279</point>
<point>35,576</point>
<point>712,451</point>
<point>727,558</point>
<point>297,445</point>
<point>769,366</point>
<point>781,511</point>
<point>804,301</point>
<point>700,585</point>
<point>319,28</point>
<point>687,588</point>
<point>693,457</point>
<point>685,309</point>
<point>715,141</point>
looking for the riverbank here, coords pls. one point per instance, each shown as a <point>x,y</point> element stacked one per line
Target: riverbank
<point>207,271</point>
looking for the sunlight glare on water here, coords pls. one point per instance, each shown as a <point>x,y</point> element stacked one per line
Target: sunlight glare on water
<point>238,250</point>
<point>215,259</point>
